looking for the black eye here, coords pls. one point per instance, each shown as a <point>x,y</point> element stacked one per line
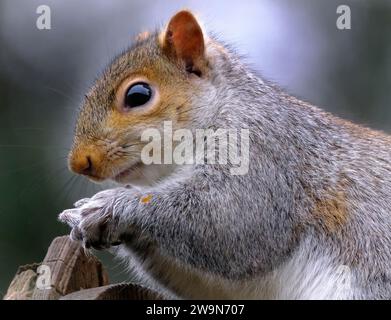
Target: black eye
<point>138,94</point>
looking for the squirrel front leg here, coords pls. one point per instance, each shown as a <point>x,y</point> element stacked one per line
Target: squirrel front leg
<point>200,222</point>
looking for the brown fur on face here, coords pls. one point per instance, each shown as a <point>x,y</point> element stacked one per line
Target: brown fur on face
<point>110,135</point>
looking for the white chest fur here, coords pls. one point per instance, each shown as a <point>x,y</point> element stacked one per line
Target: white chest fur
<point>301,277</point>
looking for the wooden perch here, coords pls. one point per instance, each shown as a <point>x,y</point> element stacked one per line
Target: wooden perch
<point>120,291</point>
<point>68,273</point>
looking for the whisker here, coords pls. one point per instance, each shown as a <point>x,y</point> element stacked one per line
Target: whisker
<point>38,179</point>
<point>63,94</point>
<point>31,146</point>
<point>29,129</point>
<point>34,165</point>
<point>66,189</point>
<point>132,144</point>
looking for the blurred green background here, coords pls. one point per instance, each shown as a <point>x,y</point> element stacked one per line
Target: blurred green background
<point>44,74</point>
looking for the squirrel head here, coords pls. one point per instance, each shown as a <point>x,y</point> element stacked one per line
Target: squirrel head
<point>158,79</point>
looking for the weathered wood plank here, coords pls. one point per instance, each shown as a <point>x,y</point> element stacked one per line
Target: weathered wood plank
<point>71,270</point>
<point>65,269</point>
<point>23,284</point>
<point>120,291</point>
<point>73,275</point>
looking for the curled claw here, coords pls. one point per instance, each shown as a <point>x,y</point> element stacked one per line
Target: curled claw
<point>92,220</point>
<point>71,217</point>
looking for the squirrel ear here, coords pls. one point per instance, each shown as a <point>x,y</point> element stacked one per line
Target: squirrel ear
<point>183,40</point>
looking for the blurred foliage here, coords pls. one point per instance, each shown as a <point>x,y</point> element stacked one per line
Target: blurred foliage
<point>44,74</point>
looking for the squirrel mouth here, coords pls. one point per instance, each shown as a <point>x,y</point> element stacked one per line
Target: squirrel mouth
<point>124,174</point>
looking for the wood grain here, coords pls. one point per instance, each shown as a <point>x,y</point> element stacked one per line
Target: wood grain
<point>74,275</point>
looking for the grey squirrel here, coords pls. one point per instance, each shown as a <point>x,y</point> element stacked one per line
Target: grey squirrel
<point>310,220</point>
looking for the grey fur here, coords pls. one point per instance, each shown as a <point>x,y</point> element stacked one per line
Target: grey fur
<point>239,228</point>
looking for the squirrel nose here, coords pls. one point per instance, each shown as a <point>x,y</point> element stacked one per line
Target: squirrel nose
<point>82,165</point>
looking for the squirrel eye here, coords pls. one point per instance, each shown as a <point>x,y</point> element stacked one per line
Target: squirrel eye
<point>137,95</point>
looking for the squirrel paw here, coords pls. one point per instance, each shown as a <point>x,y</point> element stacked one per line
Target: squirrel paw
<point>93,221</point>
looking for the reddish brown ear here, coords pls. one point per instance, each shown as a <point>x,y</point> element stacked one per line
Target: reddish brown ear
<point>184,40</point>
